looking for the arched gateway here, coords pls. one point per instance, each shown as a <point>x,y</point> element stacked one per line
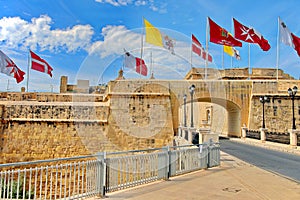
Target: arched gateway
<point>232,96</point>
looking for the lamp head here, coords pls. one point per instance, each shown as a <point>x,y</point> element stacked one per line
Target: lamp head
<point>290,91</point>
<point>192,89</point>
<point>295,89</point>
<point>266,99</point>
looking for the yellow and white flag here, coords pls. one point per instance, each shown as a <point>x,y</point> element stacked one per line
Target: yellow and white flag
<point>232,52</point>
<point>157,38</point>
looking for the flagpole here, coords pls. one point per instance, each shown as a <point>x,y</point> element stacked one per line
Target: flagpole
<point>222,57</point>
<point>206,48</point>
<point>142,43</point>
<point>232,31</point>
<point>192,55</point>
<point>151,67</point>
<point>7,87</point>
<point>249,70</point>
<point>27,88</point>
<point>277,52</point>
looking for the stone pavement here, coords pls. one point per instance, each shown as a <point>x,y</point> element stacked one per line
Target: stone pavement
<point>233,179</point>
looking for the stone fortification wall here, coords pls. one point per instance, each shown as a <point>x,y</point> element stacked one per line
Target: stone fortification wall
<point>41,130</point>
<point>38,126</point>
<point>278,114</point>
<point>27,141</point>
<point>141,114</point>
<point>50,97</point>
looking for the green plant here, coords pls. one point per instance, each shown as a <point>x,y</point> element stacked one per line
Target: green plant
<point>13,190</point>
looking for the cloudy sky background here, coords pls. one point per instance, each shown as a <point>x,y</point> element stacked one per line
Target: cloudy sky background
<point>85,39</point>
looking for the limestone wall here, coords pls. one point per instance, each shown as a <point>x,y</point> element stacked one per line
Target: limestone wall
<point>141,114</point>
<point>27,141</point>
<point>278,113</point>
<point>37,127</point>
<point>35,130</point>
<point>26,111</point>
<point>50,97</point>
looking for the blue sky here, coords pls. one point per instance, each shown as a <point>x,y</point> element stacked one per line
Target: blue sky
<point>85,39</point>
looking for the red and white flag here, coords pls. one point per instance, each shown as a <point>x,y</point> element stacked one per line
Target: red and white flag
<point>8,67</point>
<point>289,38</point>
<point>250,35</point>
<point>221,36</point>
<point>296,41</point>
<point>135,63</point>
<point>199,50</point>
<point>39,64</point>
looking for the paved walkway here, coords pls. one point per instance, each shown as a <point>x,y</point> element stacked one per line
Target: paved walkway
<point>234,179</point>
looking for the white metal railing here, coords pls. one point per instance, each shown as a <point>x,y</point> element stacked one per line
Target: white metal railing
<point>95,175</point>
<point>72,180</point>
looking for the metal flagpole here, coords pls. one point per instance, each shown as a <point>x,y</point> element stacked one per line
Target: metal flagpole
<point>27,88</point>
<point>222,56</point>
<point>192,55</point>
<point>207,27</point>
<point>249,70</point>
<point>231,61</point>
<point>232,31</point>
<point>277,52</point>
<point>7,87</point>
<point>142,44</point>
<point>151,63</point>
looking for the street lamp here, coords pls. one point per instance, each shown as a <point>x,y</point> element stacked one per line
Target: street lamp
<point>292,94</point>
<point>263,100</point>
<point>192,90</point>
<point>184,110</point>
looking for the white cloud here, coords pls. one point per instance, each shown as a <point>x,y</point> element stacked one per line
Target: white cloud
<point>16,32</point>
<point>150,3</point>
<point>116,2</point>
<point>115,39</point>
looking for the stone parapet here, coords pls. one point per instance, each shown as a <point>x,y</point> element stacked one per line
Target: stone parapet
<point>50,97</point>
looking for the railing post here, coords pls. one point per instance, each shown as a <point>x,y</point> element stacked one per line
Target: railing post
<point>179,131</point>
<point>293,137</point>
<point>244,132</point>
<point>190,135</point>
<point>213,155</point>
<point>101,178</point>
<point>263,134</point>
<point>168,160</point>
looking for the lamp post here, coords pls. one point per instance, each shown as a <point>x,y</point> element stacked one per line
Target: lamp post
<point>184,110</point>
<point>192,90</point>
<point>263,100</point>
<point>292,94</point>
